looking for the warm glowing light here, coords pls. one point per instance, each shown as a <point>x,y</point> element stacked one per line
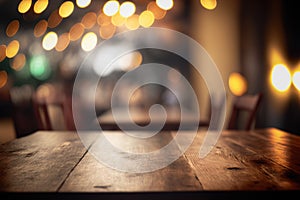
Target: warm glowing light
<point>107,31</point>
<point>89,41</point>
<point>24,6</point>
<point>237,84</point>
<point>40,28</point>
<point>39,67</point>
<point>89,20</point>
<point>132,22</point>
<point>127,9</point>
<point>83,3</point>
<point>66,9</point>
<point>62,42</point>
<point>2,52</point>
<point>118,20</point>
<point>49,41</point>
<point>296,80</point>
<point>40,6</point>
<point>54,19</point>
<point>103,19</point>
<point>130,61</point>
<point>209,4</point>
<point>165,4</point>
<point>157,11</point>
<point>12,49</point>
<point>146,18</point>
<point>3,78</point>
<point>76,31</point>
<point>12,28</point>
<point>281,77</point>
<point>18,62</point>
<point>111,7</point>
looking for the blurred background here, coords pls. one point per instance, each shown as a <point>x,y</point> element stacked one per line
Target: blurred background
<point>254,43</point>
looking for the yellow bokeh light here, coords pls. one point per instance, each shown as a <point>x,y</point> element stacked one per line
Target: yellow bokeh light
<point>118,20</point>
<point>66,9</point>
<point>49,41</point>
<point>12,28</point>
<point>40,28</point>
<point>12,48</point>
<point>89,41</point>
<point>157,11</point>
<point>296,80</point>
<point>24,6</point>
<point>281,78</point>
<point>209,4</point>
<point>111,7</point>
<point>76,31</point>
<point>62,42</point>
<point>89,20</point>
<point>107,31</point>
<point>132,22</point>
<point>127,9</point>
<point>54,19</point>
<point>165,4</point>
<point>146,18</point>
<point>83,3</point>
<point>103,19</point>
<point>40,6</point>
<point>237,84</point>
<point>3,78</point>
<point>18,62</point>
<point>2,52</point>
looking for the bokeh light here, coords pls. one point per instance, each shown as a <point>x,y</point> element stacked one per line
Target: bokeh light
<point>40,28</point>
<point>296,80</point>
<point>2,52</point>
<point>12,28</point>
<point>107,31</point>
<point>18,62</point>
<point>3,78</point>
<point>49,41</point>
<point>54,19</point>
<point>24,6</point>
<point>165,4</point>
<point>111,7</point>
<point>89,20</point>
<point>132,22</point>
<point>157,11</point>
<point>146,18</point>
<point>76,31</point>
<point>281,78</point>
<point>103,19</point>
<point>209,4</point>
<point>66,9</point>
<point>127,9</point>
<point>83,3</point>
<point>12,48</point>
<point>40,6</point>
<point>118,20</point>
<point>62,42</point>
<point>89,41</point>
<point>237,84</point>
<point>39,67</point>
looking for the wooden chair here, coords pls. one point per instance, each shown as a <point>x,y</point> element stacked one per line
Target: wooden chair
<point>42,108</point>
<point>246,103</point>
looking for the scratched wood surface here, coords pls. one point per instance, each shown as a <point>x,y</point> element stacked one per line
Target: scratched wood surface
<point>57,161</point>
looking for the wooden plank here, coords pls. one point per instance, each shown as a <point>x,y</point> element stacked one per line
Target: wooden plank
<point>92,176</point>
<point>39,162</point>
<point>230,166</point>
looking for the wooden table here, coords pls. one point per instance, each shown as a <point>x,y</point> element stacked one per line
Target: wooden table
<point>141,117</point>
<point>242,164</point>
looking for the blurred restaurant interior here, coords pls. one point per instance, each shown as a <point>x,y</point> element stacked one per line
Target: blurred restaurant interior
<point>255,45</point>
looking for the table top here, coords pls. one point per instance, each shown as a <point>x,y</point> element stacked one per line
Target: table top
<point>173,118</point>
<point>58,162</point>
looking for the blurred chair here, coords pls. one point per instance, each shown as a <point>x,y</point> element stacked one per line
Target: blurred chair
<point>53,111</point>
<point>22,110</point>
<point>249,105</point>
